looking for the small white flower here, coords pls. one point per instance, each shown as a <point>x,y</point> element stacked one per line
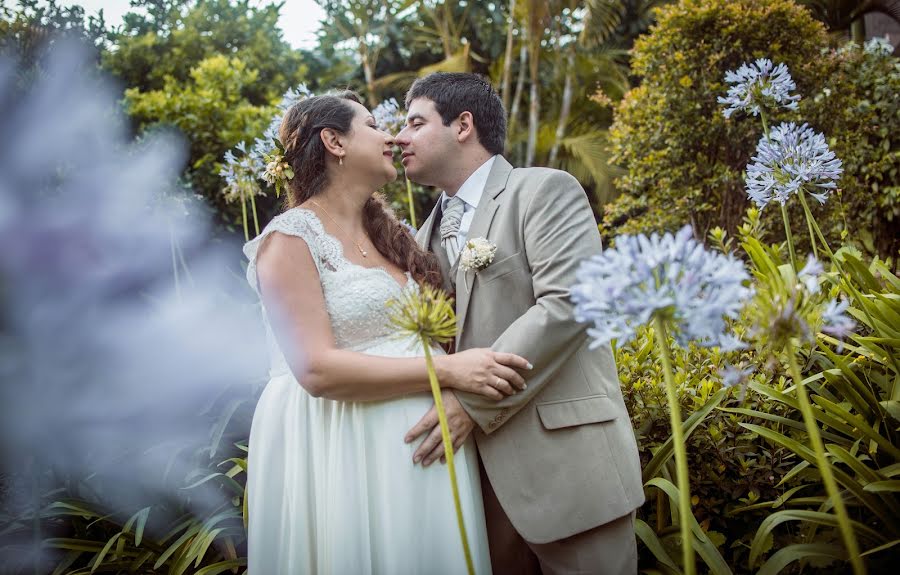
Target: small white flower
<point>477,255</point>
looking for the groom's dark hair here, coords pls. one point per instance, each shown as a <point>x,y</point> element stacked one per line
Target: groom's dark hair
<point>454,93</point>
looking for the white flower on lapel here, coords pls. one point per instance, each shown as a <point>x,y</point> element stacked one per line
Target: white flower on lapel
<point>477,255</point>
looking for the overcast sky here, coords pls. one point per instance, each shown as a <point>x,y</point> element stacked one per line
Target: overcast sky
<point>299,18</point>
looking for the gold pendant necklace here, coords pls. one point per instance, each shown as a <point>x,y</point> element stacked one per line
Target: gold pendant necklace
<point>364,253</point>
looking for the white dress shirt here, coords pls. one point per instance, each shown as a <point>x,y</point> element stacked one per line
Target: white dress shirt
<point>470,193</point>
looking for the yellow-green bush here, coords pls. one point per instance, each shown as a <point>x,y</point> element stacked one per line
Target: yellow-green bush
<point>684,161</point>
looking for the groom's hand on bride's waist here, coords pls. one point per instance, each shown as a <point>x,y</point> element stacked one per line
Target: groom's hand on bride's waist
<point>432,448</point>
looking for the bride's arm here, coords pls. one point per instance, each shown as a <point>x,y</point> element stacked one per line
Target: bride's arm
<point>292,294</point>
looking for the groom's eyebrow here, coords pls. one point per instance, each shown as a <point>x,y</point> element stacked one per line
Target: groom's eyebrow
<point>413,117</point>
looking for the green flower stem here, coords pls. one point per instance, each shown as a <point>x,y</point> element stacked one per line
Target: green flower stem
<point>412,207</point>
<point>448,452</point>
<point>814,226</point>
<point>831,486</point>
<point>684,484</point>
<point>255,219</point>
<point>762,116</point>
<point>244,214</point>
<point>812,237</point>
<point>788,237</point>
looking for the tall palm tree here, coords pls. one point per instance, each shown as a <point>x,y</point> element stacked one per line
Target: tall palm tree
<point>365,22</point>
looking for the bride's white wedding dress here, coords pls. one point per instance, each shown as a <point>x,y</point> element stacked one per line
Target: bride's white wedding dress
<point>331,484</point>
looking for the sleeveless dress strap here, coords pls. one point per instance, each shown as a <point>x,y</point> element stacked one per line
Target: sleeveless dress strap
<point>303,224</point>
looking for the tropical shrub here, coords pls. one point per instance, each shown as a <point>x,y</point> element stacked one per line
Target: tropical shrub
<point>685,160</point>
<point>214,115</point>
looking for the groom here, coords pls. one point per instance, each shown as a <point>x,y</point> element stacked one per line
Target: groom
<point>560,471</point>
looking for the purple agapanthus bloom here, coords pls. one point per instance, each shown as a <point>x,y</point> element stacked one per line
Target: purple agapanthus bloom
<point>673,276</point>
<point>733,376</point>
<point>757,85</point>
<point>388,117</point>
<point>411,228</point>
<point>835,321</point>
<point>810,273</point>
<point>792,158</point>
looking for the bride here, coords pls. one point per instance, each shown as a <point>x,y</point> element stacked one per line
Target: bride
<point>331,485</point>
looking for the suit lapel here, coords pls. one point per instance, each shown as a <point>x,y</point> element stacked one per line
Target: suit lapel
<point>423,236</point>
<point>426,240</point>
<point>481,225</point>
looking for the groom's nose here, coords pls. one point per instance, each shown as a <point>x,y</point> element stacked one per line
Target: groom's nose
<point>400,139</point>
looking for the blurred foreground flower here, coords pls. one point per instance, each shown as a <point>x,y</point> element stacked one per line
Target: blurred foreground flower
<point>679,286</point>
<point>427,314</point>
<point>757,86</point>
<point>672,277</point>
<point>111,365</point>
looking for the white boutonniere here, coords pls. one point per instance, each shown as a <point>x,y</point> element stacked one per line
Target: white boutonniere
<point>477,254</point>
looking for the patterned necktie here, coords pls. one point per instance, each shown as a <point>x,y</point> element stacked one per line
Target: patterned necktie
<point>450,221</point>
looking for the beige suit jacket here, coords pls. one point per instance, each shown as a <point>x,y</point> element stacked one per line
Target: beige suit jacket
<point>561,455</point>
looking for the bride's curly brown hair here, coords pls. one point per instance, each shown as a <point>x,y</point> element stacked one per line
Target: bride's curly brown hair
<point>307,156</point>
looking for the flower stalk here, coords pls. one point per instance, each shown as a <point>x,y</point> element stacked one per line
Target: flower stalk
<point>412,206</point>
<point>427,314</point>
<point>824,466</point>
<point>681,467</point>
<point>448,453</point>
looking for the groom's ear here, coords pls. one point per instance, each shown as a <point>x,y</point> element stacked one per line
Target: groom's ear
<point>332,141</point>
<point>465,127</point>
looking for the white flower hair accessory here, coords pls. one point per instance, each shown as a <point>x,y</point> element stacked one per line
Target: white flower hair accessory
<point>477,254</point>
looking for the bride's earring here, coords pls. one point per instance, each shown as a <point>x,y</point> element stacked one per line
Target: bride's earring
<point>340,160</point>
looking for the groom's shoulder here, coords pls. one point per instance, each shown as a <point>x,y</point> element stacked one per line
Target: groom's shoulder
<point>542,180</point>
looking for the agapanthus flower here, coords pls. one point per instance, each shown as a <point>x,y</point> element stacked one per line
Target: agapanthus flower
<point>810,273</point>
<point>792,158</point>
<point>758,85</point>
<point>879,47</point>
<point>294,95</point>
<point>672,276</point>
<point>411,228</point>
<point>388,117</point>
<point>262,158</point>
<point>835,321</point>
<point>733,376</point>
<point>240,174</point>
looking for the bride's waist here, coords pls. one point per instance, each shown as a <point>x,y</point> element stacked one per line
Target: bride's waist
<point>393,345</point>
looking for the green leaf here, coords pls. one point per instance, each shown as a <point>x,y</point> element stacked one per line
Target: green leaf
<point>892,485</point>
<point>98,560</point>
<point>649,538</point>
<point>798,552</point>
<point>221,567</point>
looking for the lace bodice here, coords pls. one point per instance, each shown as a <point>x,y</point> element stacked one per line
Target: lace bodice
<point>355,296</point>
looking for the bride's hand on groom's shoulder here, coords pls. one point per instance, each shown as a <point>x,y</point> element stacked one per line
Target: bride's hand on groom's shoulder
<point>483,371</point>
